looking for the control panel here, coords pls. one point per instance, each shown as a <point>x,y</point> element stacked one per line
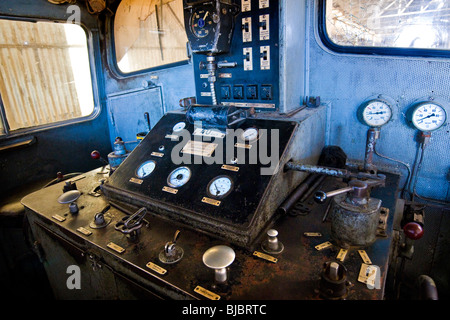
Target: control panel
<point>247,69</point>
<point>206,178</point>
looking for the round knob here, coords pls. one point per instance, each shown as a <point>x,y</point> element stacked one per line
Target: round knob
<point>95,155</point>
<point>413,230</point>
<point>69,196</point>
<point>218,258</point>
<point>271,244</point>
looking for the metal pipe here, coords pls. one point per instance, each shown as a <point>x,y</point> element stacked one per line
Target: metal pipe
<point>290,201</point>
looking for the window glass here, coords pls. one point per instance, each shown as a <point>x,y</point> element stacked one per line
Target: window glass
<point>148,34</point>
<point>421,24</point>
<point>44,73</point>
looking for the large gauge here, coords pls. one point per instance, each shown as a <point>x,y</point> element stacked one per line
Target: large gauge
<point>219,187</point>
<point>202,21</point>
<point>428,116</point>
<point>375,113</point>
<point>145,169</point>
<point>179,177</point>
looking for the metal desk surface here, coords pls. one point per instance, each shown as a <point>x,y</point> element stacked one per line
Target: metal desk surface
<point>295,276</point>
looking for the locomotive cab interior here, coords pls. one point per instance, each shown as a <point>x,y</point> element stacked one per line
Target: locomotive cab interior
<point>224,150</point>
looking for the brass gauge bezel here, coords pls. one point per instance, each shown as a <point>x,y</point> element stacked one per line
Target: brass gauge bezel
<point>222,195</point>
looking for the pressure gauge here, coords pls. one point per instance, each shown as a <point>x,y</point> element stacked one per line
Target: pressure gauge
<point>375,113</point>
<point>250,134</point>
<point>428,116</point>
<point>179,177</point>
<point>145,169</point>
<point>202,21</point>
<point>179,126</point>
<point>219,187</point>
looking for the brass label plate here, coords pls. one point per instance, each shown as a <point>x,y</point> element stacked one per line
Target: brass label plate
<point>156,268</point>
<point>206,293</point>
<point>157,154</point>
<point>115,247</point>
<point>211,201</point>
<point>135,180</point>
<point>172,137</point>
<point>84,231</point>
<point>230,168</point>
<point>265,256</point>
<point>59,218</point>
<point>170,190</point>
<point>243,145</point>
<point>342,254</point>
<point>312,234</point>
<point>364,257</point>
<point>199,148</point>
<point>368,274</point>
<point>324,245</point>
<point>212,133</point>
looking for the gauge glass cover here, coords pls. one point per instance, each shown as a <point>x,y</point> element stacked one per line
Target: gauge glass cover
<point>376,113</point>
<point>179,177</point>
<point>250,134</point>
<point>179,126</point>
<point>201,22</point>
<point>220,187</point>
<point>428,116</point>
<point>145,169</point>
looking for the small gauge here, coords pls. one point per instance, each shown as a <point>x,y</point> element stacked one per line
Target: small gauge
<point>376,113</point>
<point>145,169</point>
<point>428,116</point>
<point>250,134</point>
<point>201,22</point>
<point>179,126</point>
<point>220,187</point>
<point>179,177</point>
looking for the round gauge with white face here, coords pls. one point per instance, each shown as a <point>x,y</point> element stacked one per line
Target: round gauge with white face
<point>376,113</point>
<point>220,187</point>
<point>428,116</point>
<point>179,177</point>
<point>250,134</point>
<point>145,169</point>
<point>179,126</point>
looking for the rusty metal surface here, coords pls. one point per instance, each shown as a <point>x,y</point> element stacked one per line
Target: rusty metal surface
<point>296,274</point>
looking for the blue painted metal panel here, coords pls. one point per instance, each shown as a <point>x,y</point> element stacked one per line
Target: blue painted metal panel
<point>348,80</point>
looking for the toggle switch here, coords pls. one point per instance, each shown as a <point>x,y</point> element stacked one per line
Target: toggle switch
<point>171,253</point>
<point>272,245</point>
<point>219,258</point>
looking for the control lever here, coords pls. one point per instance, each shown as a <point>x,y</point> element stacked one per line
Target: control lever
<point>100,220</point>
<point>219,258</point>
<point>171,252</point>
<point>131,226</point>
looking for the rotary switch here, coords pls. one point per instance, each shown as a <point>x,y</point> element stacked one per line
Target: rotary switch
<point>171,253</point>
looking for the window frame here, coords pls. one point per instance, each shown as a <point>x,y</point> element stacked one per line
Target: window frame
<point>10,134</point>
<point>114,62</point>
<point>381,51</point>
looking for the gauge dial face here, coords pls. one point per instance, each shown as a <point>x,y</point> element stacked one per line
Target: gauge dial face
<point>179,177</point>
<point>179,126</point>
<point>145,169</point>
<point>376,113</point>
<point>428,116</point>
<point>201,22</point>
<point>250,134</point>
<point>220,187</point>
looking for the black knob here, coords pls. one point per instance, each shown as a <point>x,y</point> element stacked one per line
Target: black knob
<point>320,197</point>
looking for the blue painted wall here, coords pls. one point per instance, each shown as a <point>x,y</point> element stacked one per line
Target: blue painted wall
<point>347,80</point>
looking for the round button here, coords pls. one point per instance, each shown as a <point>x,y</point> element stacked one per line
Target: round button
<point>413,230</point>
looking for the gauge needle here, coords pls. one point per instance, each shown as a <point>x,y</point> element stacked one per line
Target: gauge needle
<point>207,12</point>
<point>217,190</point>
<point>429,116</point>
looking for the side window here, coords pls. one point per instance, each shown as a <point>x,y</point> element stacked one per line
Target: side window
<point>149,34</point>
<point>45,76</point>
<point>412,25</point>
